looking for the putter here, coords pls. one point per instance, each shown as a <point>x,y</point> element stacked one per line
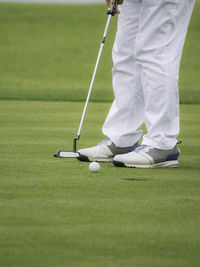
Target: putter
<point>112,9</point>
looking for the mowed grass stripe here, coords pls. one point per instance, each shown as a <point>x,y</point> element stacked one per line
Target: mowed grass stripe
<point>48,52</point>
<point>54,212</point>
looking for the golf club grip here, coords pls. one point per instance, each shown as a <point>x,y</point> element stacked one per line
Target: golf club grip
<point>112,9</point>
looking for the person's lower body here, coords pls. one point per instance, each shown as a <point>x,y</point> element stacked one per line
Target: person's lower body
<point>146,56</point>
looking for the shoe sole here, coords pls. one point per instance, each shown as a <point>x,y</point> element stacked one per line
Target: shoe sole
<point>89,159</point>
<point>166,164</point>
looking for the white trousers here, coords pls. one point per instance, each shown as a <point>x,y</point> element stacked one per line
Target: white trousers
<point>146,56</point>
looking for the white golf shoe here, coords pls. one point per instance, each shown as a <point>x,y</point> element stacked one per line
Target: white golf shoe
<point>146,156</point>
<point>103,152</point>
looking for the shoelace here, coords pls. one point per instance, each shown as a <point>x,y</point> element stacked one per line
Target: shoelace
<point>104,141</point>
<point>140,148</point>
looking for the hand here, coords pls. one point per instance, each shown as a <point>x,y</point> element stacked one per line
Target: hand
<point>119,2</point>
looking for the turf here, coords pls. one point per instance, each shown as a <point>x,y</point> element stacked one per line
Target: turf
<point>48,52</point>
<point>54,212</point>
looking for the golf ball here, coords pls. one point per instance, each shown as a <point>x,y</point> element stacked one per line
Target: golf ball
<point>94,167</point>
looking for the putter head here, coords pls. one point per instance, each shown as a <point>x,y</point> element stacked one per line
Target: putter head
<point>66,154</point>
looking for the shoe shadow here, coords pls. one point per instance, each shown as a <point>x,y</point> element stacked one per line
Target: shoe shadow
<point>135,179</point>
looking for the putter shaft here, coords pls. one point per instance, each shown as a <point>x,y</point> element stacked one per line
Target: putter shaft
<point>94,75</point>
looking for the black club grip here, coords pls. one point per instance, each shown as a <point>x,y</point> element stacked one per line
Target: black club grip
<point>112,9</point>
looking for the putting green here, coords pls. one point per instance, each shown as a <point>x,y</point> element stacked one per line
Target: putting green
<point>54,212</point>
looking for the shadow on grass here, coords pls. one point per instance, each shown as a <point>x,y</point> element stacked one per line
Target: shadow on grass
<point>135,179</point>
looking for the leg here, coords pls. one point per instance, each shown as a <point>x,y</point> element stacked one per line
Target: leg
<point>120,126</point>
<point>127,112</point>
<point>158,50</point>
<point>163,27</point>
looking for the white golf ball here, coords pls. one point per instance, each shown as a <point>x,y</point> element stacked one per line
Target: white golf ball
<point>94,167</point>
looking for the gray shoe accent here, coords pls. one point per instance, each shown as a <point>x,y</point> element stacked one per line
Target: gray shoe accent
<point>122,150</point>
<point>160,155</point>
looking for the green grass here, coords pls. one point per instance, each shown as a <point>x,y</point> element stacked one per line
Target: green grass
<point>54,212</point>
<point>48,52</point>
